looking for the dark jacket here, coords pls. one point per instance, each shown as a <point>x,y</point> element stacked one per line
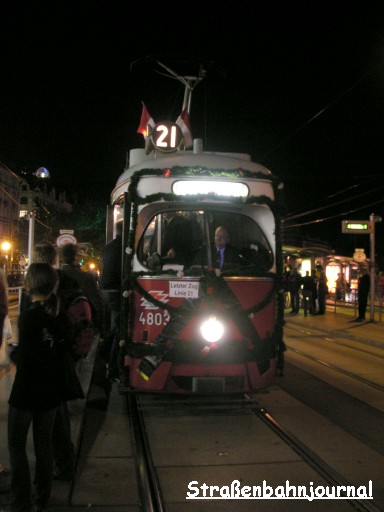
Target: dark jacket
<point>294,281</point>
<point>364,284</point>
<point>308,283</point>
<point>3,307</point>
<point>38,384</point>
<point>88,284</point>
<point>231,257</point>
<point>111,273</point>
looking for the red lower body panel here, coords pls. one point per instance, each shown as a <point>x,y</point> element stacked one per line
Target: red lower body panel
<point>184,378</point>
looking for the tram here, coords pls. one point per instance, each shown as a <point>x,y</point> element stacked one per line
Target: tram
<point>187,325</point>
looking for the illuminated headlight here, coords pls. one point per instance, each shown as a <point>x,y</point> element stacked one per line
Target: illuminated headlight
<point>212,329</point>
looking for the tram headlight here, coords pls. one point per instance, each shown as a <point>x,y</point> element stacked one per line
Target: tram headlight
<point>212,329</point>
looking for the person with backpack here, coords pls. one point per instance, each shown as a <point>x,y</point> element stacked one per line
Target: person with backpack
<point>86,281</point>
<point>38,389</point>
<point>63,448</point>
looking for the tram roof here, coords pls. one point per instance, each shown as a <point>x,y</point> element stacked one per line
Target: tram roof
<point>212,160</point>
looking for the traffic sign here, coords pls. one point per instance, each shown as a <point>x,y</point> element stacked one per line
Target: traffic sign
<point>359,255</point>
<point>65,238</point>
<point>357,227</point>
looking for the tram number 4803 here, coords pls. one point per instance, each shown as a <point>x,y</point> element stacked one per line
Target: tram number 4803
<point>151,318</point>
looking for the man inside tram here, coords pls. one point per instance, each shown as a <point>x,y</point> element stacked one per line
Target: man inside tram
<point>224,254</point>
<point>182,240</point>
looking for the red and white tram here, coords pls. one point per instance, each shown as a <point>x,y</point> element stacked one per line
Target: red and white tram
<point>188,326</point>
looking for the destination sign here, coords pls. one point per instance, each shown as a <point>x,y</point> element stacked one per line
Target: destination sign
<point>184,289</point>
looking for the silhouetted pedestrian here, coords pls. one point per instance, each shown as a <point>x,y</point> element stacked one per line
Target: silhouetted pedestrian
<point>86,281</point>
<point>307,289</point>
<point>111,293</point>
<point>363,288</point>
<point>322,291</point>
<point>340,287</point>
<point>314,292</point>
<point>64,454</point>
<point>294,284</point>
<point>3,303</point>
<point>37,392</point>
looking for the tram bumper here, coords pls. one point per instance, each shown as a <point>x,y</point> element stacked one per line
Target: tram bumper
<point>187,378</point>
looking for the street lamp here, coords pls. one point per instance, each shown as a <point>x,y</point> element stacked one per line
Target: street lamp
<point>5,247</point>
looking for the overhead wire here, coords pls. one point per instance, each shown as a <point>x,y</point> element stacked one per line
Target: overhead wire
<point>346,200</point>
<point>321,111</point>
<point>299,129</point>
<point>317,221</point>
<point>330,196</point>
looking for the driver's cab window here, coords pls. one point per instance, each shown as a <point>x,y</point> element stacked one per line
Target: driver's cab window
<point>186,240</point>
<point>175,237</point>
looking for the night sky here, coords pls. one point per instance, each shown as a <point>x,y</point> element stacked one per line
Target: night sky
<point>297,84</point>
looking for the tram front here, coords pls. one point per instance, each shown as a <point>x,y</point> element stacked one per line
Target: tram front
<point>196,319</point>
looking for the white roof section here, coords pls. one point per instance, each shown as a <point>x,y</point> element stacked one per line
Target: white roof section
<point>211,160</point>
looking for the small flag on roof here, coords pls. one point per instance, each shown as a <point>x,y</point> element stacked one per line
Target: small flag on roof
<point>183,122</point>
<point>145,121</point>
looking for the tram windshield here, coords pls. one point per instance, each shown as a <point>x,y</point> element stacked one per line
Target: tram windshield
<point>185,239</point>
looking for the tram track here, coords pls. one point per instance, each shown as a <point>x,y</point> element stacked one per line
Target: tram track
<point>305,353</point>
<point>312,459</point>
<point>333,340</point>
<point>149,488</point>
<point>147,407</point>
<point>338,369</point>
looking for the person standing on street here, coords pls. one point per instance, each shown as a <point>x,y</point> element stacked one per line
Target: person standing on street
<point>111,293</point>
<point>86,281</point>
<point>37,391</point>
<point>363,288</point>
<point>314,292</point>
<point>63,447</point>
<point>340,287</point>
<point>3,303</point>
<point>322,291</point>
<point>294,285</point>
<point>307,288</point>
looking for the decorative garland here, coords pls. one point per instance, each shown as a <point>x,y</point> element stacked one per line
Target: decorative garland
<point>201,171</point>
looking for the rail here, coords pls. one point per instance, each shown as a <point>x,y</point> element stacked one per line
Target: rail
<point>312,459</point>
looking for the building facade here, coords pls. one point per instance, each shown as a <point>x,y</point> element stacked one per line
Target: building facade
<point>9,215</point>
<point>37,191</point>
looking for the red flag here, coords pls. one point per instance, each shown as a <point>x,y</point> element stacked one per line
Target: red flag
<point>145,121</point>
<point>183,122</point>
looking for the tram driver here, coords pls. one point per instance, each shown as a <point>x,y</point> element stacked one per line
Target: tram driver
<point>224,255</point>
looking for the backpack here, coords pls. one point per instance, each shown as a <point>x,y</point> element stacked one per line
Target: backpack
<point>82,330</point>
